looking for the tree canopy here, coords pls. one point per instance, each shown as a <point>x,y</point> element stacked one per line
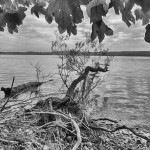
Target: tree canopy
<point>68,13</point>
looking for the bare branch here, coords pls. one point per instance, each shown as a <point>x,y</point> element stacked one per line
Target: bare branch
<point>82,77</point>
<point>7,141</point>
<point>121,128</point>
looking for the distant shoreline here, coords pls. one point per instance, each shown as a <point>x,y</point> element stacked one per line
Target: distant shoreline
<point>113,53</point>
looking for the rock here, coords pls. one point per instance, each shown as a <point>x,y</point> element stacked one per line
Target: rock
<point>85,148</point>
<point>46,148</point>
<point>69,139</point>
<point>89,144</point>
<point>138,142</point>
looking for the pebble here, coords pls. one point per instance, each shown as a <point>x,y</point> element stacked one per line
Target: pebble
<point>85,148</point>
<point>89,144</point>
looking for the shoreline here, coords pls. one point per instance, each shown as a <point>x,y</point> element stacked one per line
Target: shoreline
<point>114,53</point>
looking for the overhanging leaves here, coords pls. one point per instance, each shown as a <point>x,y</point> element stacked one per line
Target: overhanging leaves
<point>72,29</point>
<point>100,29</point>
<point>97,12</point>
<point>37,9</point>
<point>141,16</point>
<point>145,5</point>
<point>147,34</point>
<point>68,13</point>
<point>127,17</point>
<point>13,20</point>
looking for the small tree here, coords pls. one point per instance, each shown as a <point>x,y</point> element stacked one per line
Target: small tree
<point>74,62</point>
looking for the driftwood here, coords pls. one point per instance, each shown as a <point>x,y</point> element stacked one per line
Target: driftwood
<point>23,88</point>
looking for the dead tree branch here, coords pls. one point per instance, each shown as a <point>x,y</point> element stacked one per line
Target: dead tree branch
<point>82,77</point>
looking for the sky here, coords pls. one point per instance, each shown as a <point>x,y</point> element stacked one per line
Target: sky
<point>36,35</point>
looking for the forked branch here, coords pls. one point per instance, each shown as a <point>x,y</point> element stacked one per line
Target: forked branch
<point>83,76</point>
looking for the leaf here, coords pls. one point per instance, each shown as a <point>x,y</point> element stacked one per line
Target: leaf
<point>16,30</point>
<point>147,33</point>
<point>49,15</point>
<point>72,29</point>
<point>141,16</point>
<point>37,9</point>
<point>2,1</point>
<point>109,31</point>
<point>12,19</point>
<point>94,33</point>
<point>100,29</point>
<point>61,30</point>
<point>127,17</point>
<point>1,28</point>
<point>48,18</point>
<point>97,12</point>
<point>145,4</point>
<point>25,2</point>
<point>77,13</point>
<point>10,31</point>
<point>62,12</point>
<point>66,12</point>
<point>21,14</point>
<point>41,3</point>
<point>96,3</point>
<point>101,35</point>
<point>2,19</point>
<point>1,10</point>
<point>114,3</point>
<point>84,2</point>
<point>8,6</point>
<point>129,5</point>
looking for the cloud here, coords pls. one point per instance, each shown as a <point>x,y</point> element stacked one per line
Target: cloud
<point>36,34</point>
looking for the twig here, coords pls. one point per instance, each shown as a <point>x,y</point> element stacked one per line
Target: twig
<point>3,107</point>
<point>7,141</point>
<point>51,113</point>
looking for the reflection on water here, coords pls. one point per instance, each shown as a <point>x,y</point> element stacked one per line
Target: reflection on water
<point>127,85</point>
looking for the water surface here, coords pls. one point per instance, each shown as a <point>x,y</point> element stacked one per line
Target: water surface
<point>127,85</point>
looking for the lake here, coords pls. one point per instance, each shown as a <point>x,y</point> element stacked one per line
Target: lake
<point>127,84</point>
